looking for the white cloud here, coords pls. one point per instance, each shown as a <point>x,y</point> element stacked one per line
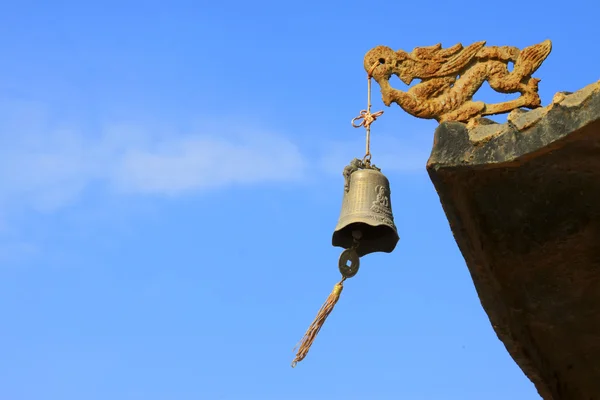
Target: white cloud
<point>176,165</point>
<point>46,167</point>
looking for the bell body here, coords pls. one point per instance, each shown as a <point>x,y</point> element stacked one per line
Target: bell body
<point>367,207</point>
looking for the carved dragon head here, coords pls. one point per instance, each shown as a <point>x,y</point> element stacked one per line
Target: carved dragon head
<point>390,62</point>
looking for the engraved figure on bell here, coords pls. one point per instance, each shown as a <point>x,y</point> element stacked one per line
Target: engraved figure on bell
<point>381,204</point>
<point>382,198</point>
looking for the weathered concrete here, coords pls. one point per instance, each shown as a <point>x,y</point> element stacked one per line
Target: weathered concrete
<point>523,202</point>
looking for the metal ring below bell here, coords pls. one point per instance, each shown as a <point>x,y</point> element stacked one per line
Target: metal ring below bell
<point>348,271</point>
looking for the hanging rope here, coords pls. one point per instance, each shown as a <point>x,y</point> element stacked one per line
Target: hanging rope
<point>366,118</point>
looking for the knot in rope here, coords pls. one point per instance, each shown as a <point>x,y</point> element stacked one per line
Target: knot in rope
<point>366,118</point>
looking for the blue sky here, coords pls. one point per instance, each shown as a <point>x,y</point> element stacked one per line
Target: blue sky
<point>170,176</point>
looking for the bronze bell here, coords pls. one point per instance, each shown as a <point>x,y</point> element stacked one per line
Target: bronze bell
<point>366,208</point>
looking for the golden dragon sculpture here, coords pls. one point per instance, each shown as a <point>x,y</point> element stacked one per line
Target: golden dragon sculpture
<point>450,77</point>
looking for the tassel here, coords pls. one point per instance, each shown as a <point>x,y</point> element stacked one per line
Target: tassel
<point>314,328</point>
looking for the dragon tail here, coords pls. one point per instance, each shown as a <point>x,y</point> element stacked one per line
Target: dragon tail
<point>531,58</point>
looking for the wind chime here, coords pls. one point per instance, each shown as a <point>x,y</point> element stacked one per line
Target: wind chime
<point>366,224</point>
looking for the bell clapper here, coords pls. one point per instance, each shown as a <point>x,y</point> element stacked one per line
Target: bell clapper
<point>350,255</point>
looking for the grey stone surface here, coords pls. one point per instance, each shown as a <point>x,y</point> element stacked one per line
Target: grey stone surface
<point>523,201</point>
